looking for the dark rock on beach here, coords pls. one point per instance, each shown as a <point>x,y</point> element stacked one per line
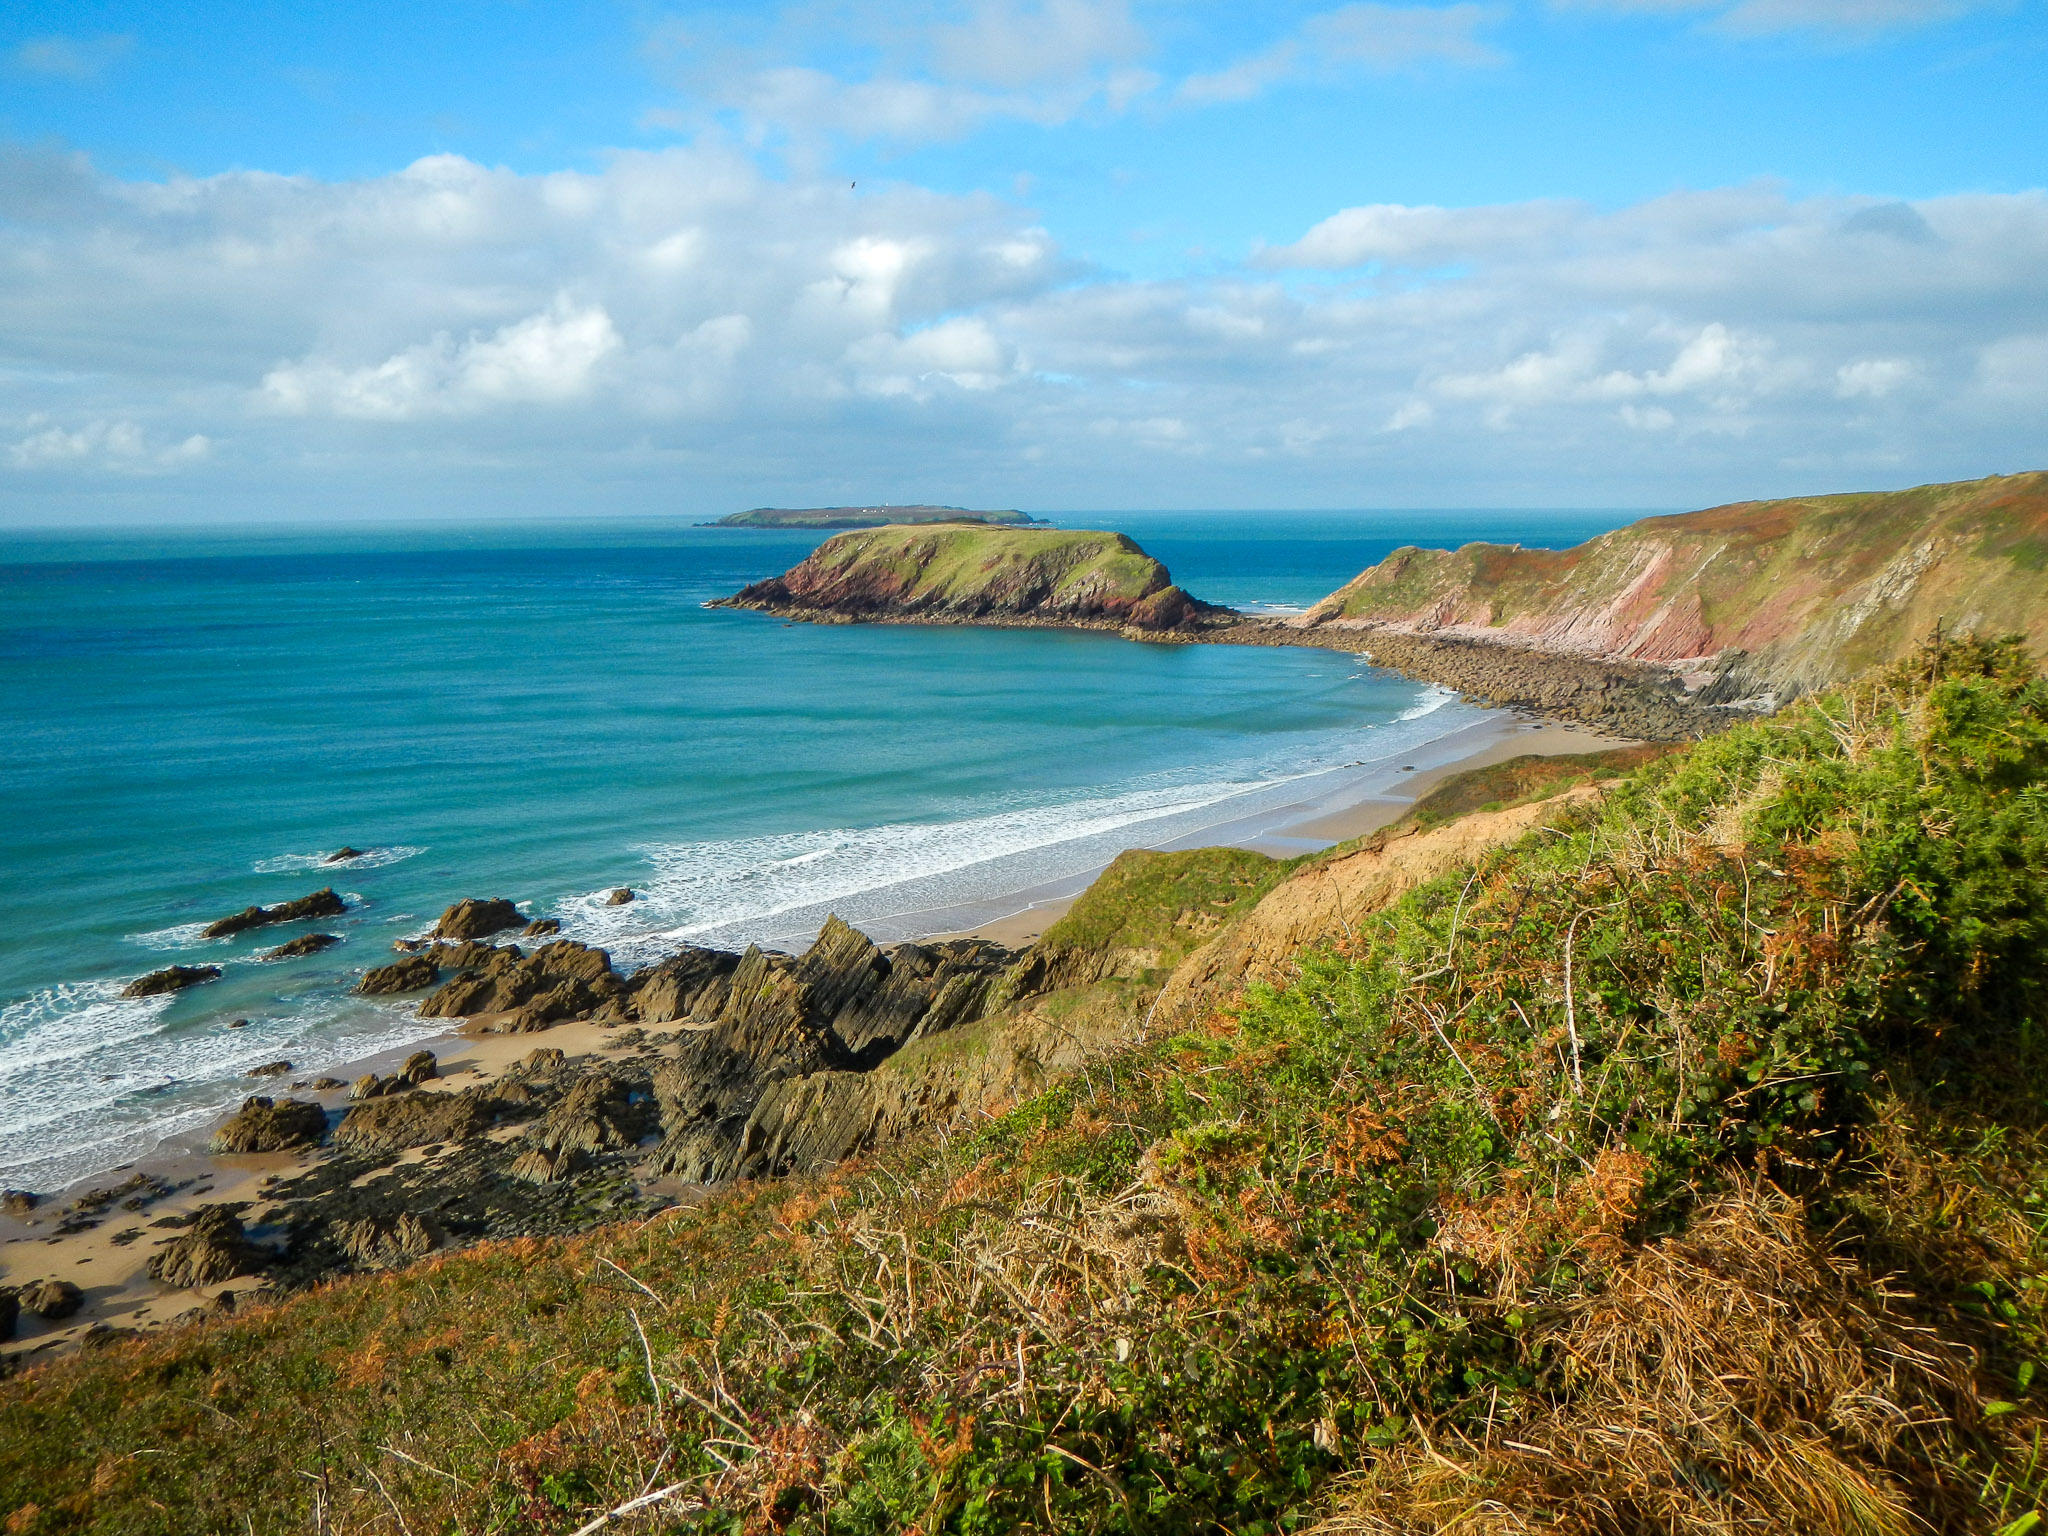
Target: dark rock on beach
<point>19,1202</point>
<point>172,978</point>
<point>211,1249</point>
<point>322,903</point>
<point>562,980</point>
<point>10,1313</point>
<point>388,1242</point>
<point>407,975</point>
<point>264,1125</point>
<point>304,944</point>
<point>477,918</point>
<point>391,1123</point>
<point>51,1300</point>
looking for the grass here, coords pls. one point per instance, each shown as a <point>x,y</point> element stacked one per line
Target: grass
<point>1520,780</point>
<point>1678,1169</point>
<point>947,564</point>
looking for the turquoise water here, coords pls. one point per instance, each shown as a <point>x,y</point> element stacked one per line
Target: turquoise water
<point>544,711</point>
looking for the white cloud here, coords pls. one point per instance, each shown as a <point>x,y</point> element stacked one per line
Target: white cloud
<point>546,358</point>
<point>1334,44</point>
<point>72,58</point>
<point>687,320</point>
<point>120,446</point>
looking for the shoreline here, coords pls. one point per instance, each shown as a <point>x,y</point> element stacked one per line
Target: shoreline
<point>107,1259</point>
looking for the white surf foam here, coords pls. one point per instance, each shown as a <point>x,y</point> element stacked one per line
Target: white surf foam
<point>370,858</point>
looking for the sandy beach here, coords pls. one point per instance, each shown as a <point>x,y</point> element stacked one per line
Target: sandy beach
<point>106,1250</point>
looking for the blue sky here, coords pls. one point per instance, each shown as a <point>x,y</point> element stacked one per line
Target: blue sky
<point>318,260</point>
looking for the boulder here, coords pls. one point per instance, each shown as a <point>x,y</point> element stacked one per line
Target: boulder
<point>388,1242</point>
<point>269,1069</point>
<point>420,1067</point>
<point>304,944</point>
<point>407,975</point>
<point>393,1123</point>
<point>51,1300</point>
<point>342,855</point>
<point>211,1249</point>
<point>263,1125</point>
<point>19,1202</point>
<point>540,928</point>
<point>620,896</point>
<point>322,903</point>
<point>371,1086</point>
<point>172,978</point>
<point>562,980</point>
<point>477,918</point>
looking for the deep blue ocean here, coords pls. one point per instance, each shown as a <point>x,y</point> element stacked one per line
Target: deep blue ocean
<point>192,719</point>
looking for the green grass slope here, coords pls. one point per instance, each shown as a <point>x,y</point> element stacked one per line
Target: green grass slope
<point>1678,1169</point>
<point>957,572</point>
<point>1810,591</point>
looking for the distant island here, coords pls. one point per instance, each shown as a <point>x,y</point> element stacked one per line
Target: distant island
<point>866,517</point>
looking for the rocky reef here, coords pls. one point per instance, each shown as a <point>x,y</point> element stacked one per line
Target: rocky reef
<point>981,575</point>
<point>322,903</point>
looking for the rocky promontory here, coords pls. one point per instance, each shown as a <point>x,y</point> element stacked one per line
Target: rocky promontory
<point>978,575</point>
<point>867,517</point>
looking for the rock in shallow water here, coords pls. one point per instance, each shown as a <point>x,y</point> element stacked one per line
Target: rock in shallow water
<point>304,944</point>
<point>407,975</point>
<point>172,978</point>
<point>342,855</point>
<point>620,897</point>
<point>322,903</point>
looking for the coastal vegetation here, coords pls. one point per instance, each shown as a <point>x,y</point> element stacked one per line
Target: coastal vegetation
<point>1661,630</point>
<point>1659,1151</point>
<point>978,575</point>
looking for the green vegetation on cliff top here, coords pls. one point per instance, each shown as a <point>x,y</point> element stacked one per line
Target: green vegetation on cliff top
<point>1815,589</point>
<point>1680,1169</point>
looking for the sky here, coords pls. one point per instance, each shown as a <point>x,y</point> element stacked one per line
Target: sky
<point>488,258</point>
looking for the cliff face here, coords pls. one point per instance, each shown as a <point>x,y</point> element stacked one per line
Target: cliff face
<point>1755,599</point>
<point>970,574</point>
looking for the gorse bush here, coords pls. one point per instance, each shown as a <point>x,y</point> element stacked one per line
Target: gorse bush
<point>1678,1168</point>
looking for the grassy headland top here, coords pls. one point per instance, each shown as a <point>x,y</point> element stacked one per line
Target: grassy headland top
<point>866,517</point>
<point>1774,597</point>
<point>956,573</point>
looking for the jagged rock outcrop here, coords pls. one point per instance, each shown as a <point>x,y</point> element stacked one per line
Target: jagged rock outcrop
<point>172,978</point>
<point>264,1125</point>
<point>212,1248</point>
<point>388,1242</point>
<point>394,1122</point>
<point>845,1005</point>
<point>560,980</point>
<point>477,918</point>
<point>981,575</point>
<point>322,903</point>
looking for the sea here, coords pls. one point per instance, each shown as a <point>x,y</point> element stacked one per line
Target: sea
<point>193,720</point>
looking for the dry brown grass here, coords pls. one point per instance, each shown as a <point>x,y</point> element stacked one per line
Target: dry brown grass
<point>1742,1378</point>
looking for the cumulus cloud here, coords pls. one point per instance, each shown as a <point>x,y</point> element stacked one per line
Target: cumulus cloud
<point>119,446</point>
<point>684,314</point>
<point>1366,36</point>
<point>546,358</point>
